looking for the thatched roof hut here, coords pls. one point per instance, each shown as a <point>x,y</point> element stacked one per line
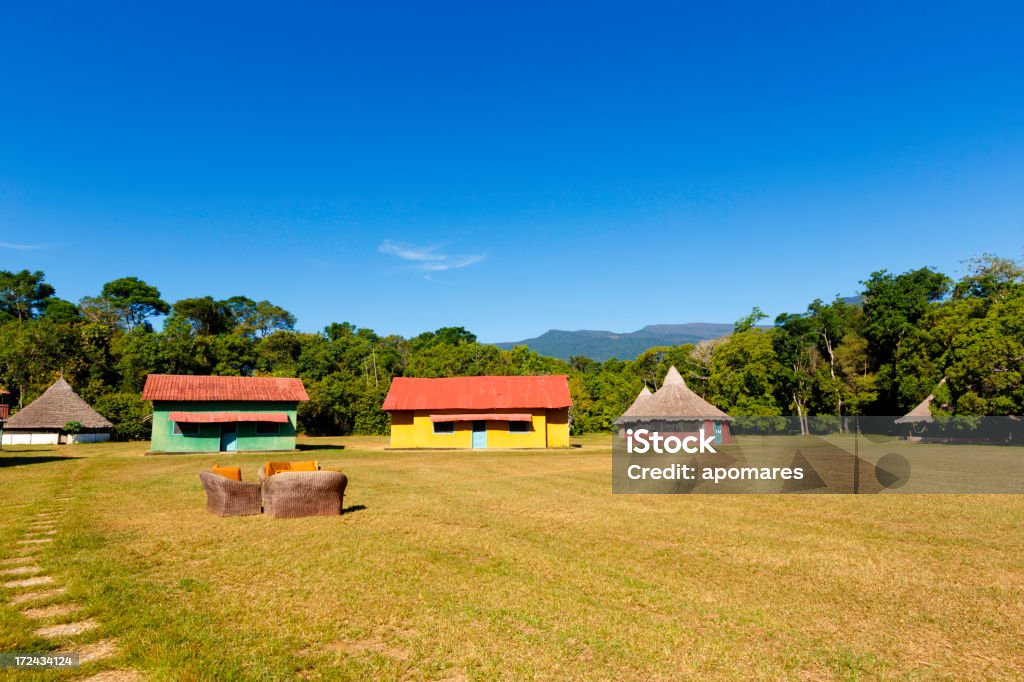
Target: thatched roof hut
<point>641,398</point>
<point>43,420</point>
<point>673,401</point>
<point>923,412</point>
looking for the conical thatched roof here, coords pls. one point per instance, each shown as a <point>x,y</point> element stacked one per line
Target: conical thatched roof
<point>923,411</point>
<point>641,398</point>
<point>57,406</point>
<point>674,400</point>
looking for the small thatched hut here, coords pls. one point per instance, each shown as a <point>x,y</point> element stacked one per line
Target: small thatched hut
<point>675,408</point>
<point>43,421</point>
<point>637,405</point>
<point>918,417</point>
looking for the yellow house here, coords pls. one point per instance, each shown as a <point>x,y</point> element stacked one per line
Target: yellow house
<point>479,412</point>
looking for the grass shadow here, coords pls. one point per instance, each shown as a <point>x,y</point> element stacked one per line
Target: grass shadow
<point>354,508</point>
<point>310,446</point>
<point>20,461</point>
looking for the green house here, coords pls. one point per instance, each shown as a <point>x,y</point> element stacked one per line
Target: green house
<point>223,414</point>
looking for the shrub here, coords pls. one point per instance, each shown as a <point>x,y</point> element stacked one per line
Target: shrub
<point>130,415</point>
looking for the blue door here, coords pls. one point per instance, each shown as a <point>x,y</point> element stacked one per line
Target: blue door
<point>228,437</point>
<point>718,433</point>
<point>479,434</point>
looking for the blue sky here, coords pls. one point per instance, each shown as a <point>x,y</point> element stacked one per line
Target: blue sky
<point>510,168</point>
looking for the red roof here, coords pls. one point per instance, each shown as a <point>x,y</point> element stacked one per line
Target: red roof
<point>246,389</point>
<point>482,416</point>
<point>478,393</point>
<point>228,417</point>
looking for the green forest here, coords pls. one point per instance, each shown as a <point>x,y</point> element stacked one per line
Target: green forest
<point>879,357</point>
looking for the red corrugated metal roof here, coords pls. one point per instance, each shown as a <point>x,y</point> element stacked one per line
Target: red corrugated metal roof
<point>482,416</point>
<point>478,393</point>
<point>248,389</point>
<point>228,417</point>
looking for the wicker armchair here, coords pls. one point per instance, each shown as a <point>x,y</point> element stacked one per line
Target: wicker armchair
<point>225,497</point>
<point>290,494</point>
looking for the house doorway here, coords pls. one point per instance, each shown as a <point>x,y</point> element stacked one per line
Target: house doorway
<point>479,434</point>
<point>228,437</point>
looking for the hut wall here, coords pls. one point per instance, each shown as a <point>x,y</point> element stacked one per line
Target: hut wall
<point>97,437</point>
<point>411,429</point>
<point>208,440</point>
<point>558,428</point>
<point>31,438</point>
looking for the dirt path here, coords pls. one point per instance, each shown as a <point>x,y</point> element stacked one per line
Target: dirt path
<point>57,617</point>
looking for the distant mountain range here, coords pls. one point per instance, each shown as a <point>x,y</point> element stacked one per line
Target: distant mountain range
<point>602,345</point>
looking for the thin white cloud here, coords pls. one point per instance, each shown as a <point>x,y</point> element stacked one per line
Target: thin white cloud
<point>450,264</point>
<point>410,252</point>
<point>20,247</point>
<point>428,258</point>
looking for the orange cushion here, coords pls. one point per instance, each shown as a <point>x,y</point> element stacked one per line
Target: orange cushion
<point>234,473</point>
<point>303,466</point>
<point>277,467</point>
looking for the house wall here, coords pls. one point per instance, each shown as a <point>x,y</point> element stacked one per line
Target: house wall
<point>412,429</point>
<point>208,440</point>
<point>558,428</point>
<point>30,437</point>
<point>98,437</point>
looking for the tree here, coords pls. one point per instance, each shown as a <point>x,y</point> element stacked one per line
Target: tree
<point>339,330</point>
<point>894,303</point>
<point>139,353</point>
<point>652,365</point>
<point>133,301</point>
<point>795,341</point>
<point>60,311</point>
<point>893,308</point>
<point>830,323</point>
<point>23,294</point>
<point>130,415</point>
<point>99,310</point>
<point>986,362</point>
<point>454,336</point>
<point>258,319</point>
<point>745,374</point>
<point>748,322</point>
<point>206,316</point>
<point>33,353</point>
<point>858,384</point>
<point>989,277</point>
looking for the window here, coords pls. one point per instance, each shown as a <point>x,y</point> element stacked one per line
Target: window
<point>184,429</point>
<point>519,427</point>
<point>444,427</point>
<point>267,428</point>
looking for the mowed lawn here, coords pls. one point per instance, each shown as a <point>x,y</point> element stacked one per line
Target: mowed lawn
<point>512,565</point>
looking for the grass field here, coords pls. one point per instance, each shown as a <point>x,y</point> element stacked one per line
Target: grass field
<point>512,565</point>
